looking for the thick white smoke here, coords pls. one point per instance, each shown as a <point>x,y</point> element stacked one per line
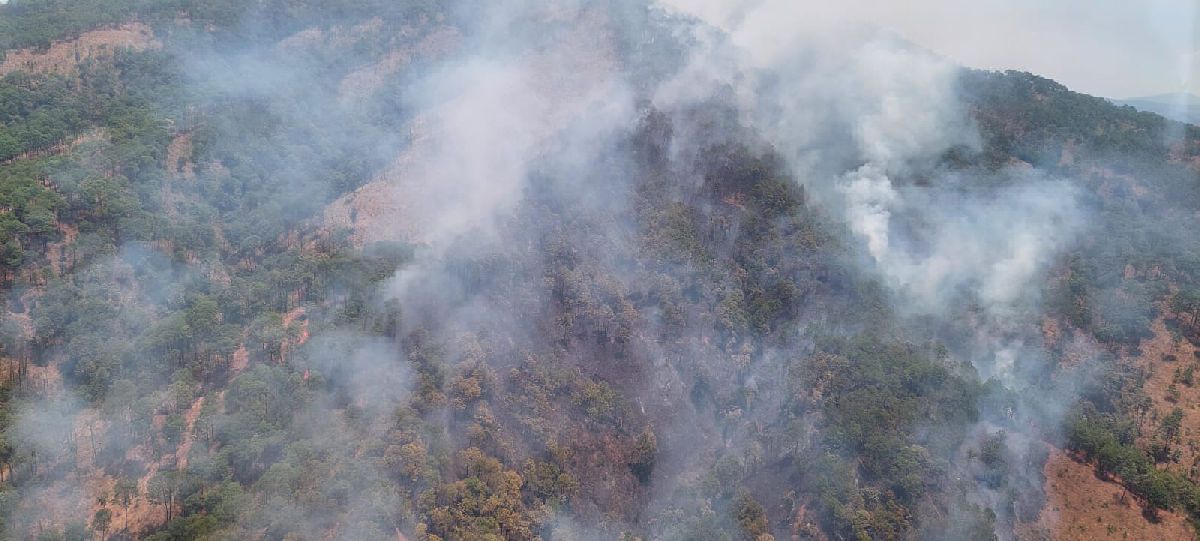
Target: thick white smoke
<point>861,116</point>
<point>488,117</point>
<point>866,121</point>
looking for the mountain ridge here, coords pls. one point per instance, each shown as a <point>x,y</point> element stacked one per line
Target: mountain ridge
<point>1180,106</point>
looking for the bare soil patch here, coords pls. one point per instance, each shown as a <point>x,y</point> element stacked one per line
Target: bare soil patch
<point>1081,506</point>
<point>63,57</point>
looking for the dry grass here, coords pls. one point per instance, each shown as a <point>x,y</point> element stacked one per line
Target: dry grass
<point>63,57</point>
<point>1081,506</point>
<point>1161,355</point>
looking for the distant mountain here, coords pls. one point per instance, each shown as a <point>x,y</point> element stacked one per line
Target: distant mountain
<point>1183,106</point>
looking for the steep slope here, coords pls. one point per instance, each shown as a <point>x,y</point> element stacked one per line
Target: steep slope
<point>365,270</point>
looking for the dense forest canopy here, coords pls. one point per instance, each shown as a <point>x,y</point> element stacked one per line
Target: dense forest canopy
<point>426,270</point>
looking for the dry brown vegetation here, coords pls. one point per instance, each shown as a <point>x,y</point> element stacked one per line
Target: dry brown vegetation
<point>63,57</point>
<point>1081,506</point>
<point>366,80</point>
<point>1162,355</point>
<point>179,156</point>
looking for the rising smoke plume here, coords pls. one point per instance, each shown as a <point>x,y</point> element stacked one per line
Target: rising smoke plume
<point>524,149</point>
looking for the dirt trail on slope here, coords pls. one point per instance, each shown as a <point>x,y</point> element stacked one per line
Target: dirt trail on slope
<point>63,57</point>
<point>189,434</point>
<point>179,166</point>
<point>295,336</point>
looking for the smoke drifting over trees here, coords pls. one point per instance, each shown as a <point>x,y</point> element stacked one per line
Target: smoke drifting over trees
<point>571,270</point>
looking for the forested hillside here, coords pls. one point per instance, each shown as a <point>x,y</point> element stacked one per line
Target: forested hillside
<point>425,270</point>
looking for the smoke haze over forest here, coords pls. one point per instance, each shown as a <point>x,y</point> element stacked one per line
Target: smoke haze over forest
<point>581,270</point>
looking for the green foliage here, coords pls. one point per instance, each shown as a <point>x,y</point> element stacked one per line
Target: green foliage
<point>1169,427</point>
<point>37,23</point>
<point>598,399</point>
<point>102,520</point>
<point>1095,435</point>
<point>871,393</point>
<point>644,456</point>
<point>877,391</point>
<point>549,482</point>
<point>1047,114</point>
<point>750,517</point>
<point>994,456</point>
<point>146,310</point>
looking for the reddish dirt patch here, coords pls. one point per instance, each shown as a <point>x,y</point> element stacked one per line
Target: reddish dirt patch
<point>179,156</point>
<point>241,358</point>
<point>64,56</point>
<point>1110,180</point>
<point>805,526</point>
<point>1161,356</point>
<point>295,324</point>
<point>382,209</point>
<point>56,252</point>
<point>89,433</point>
<point>179,166</point>
<point>185,444</point>
<point>1050,331</point>
<point>332,38</point>
<point>367,80</point>
<point>46,379</point>
<point>374,212</point>
<point>1081,506</point>
<point>137,518</point>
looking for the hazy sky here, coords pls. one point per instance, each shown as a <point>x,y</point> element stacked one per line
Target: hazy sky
<point>1111,48</point>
